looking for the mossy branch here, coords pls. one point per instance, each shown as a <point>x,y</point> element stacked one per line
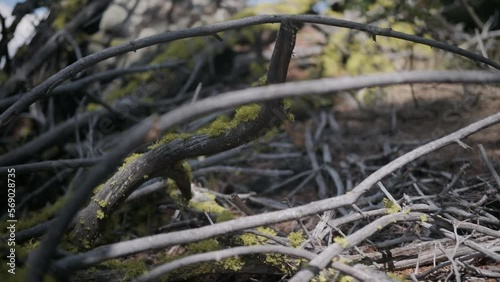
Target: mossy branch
<point>163,160</point>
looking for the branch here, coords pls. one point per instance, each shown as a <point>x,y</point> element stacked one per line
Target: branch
<point>222,254</point>
<point>42,90</point>
<point>40,259</point>
<point>318,87</point>
<point>52,165</point>
<point>163,161</point>
<point>51,45</point>
<point>101,76</point>
<point>325,257</point>
<point>181,237</point>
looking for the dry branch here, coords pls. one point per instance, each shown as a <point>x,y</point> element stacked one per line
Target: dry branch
<point>44,88</point>
<point>181,237</point>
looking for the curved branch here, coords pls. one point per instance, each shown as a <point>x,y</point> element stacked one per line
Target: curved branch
<point>51,45</point>
<point>318,87</point>
<point>44,88</point>
<point>101,76</point>
<point>163,161</point>
<point>247,250</point>
<point>181,237</point>
<point>222,254</point>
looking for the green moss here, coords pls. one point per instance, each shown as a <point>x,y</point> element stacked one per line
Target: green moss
<point>87,244</point>
<point>423,218</point>
<point>224,216</point>
<point>282,7</point>
<point>100,214</point>
<point>181,49</point>
<point>97,189</point>
<point>247,113</point>
<point>173,191</point>
<point>121,92</point>
<point>296,238</point>
<point>258,70</point>
<point>101,203</point>
<point>346,278</point>
<point>129,160</point>
<point>131,268</point>
<point>321,277</point>
<point>207,206</point>
<point>186,168</point>
<point>67,12</point>
<point>223,123</point>
<point>283,263</point>
<point>360,62</point>
<point>132,83</point>
<point>391,207</point>
<point>333,54</point>
<point>249,239</point>
<point>267,231</point>
<point>169,137</point>
<point>271,133</point>
<point>203,246</point>
<point>233,264</point>
<point>218,127</point>
<point>92,107</point>
<point>341,241</point>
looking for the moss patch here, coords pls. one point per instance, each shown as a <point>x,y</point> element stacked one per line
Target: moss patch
<point>223,124</point>
<point>296,238</point>
<point>169,137</point>
<point>129,160</point>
